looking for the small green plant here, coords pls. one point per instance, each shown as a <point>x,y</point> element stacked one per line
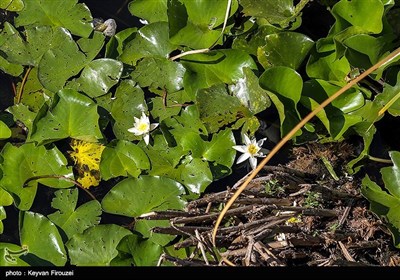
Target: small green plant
<point>312,199</point>
<point>274,188</point>
<point>333,227</point>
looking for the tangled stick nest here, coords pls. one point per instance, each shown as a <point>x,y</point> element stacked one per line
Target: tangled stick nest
<point>286,217</point>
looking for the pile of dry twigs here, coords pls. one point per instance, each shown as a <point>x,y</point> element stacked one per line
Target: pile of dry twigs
<point>285,217</point>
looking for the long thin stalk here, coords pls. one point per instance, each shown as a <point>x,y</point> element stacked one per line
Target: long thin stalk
<point>21,88</point>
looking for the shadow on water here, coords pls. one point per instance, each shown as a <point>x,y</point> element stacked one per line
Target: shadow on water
<point>115,9</point>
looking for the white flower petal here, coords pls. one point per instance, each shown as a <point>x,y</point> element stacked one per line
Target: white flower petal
<point>243,158</point>
<point>261,142</point>
<point>253,162</point>
<point>246,139</point>
<point>135,131</point>
<point>153,126</point>
<point>143,21</point>
<point>146,139</point>
<point>242,149</point>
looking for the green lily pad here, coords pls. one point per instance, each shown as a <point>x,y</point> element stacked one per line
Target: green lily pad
<point>218,108</point>
<point>133,197</point>
<point>386,204</point>
<point>23,114</point>
<point>176,162</point>
<point>284,85</point>
<point>285,49</point>
<point>12,5</point>
<point>29,51</point>
<point>365,50</point>
<point>65,119</point>
<point>5,131</point>
<point>75,17</point>
<point>163,156</point>
<point>34,95</point>
<point>71,219</point>
<point>335,116</point>
<point>370,114</point>
<point>196,175</point>
<point>159,73</point>
<point>386,101</point>
<point>128,103</point>
<point>145,228</point>
<point>152,11</point>
<point>274,11</point>
<point>250,93</point>
<point>219,149</point>
<point>189,119</point>
<point>3,216</point>
<point>221,66</point>
<point>355,12</point>
<point>46,242</point>
<point>27,161</point>
<point>5,198</point>
<point>151,41</point>
<point>208,13</point>
<point>99,76</point>
<point>115,46</point>
<point>257,40</point>
<point>12,69</point>
<point>325,66</point>
<point>144,251</point>
<point>166,107</point>
<point>123,158</point>
<point>189,141</point>
<point>96,246</point>
<point>195,37</point>
<point>203,21</point>
<point>177,16</point>
<point>390,96</point>
<point>67,59</point>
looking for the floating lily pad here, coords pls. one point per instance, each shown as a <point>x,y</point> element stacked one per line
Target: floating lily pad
<point>71,219</point>
<point>96,246</point>
<point>46,242</point>
<point>136,196</point>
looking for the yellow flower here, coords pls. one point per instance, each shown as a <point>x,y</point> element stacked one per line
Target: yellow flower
<point>293,220</point>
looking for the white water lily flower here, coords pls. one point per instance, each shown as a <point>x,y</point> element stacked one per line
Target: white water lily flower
<point>251,150</point>
<point>143,127</point>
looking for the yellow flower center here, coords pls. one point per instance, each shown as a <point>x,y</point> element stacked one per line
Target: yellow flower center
<point>252,149</point>
<point>143,127</point>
